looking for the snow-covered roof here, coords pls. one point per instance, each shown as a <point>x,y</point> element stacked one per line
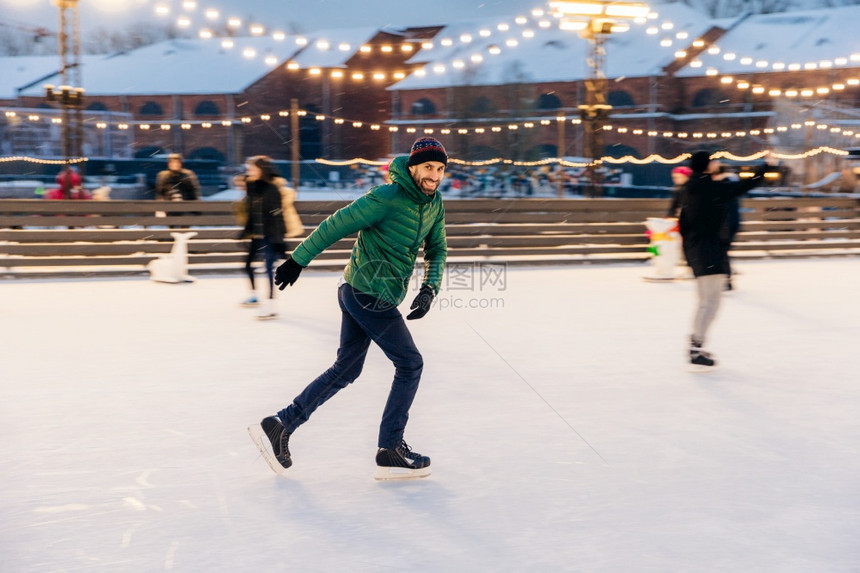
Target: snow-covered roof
<point>540,54</point>
<point>20,71</point>
<point>798,37</point>
<point>549,55</point>
<point>207,66</point>
<point>332,48</point>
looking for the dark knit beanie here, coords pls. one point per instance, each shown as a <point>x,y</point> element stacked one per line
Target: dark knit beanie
<point>699,161</point>
<point>427,149</point>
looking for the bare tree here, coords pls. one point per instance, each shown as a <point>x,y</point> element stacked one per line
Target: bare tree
<point>729,8</point>
<point>772,6</point>
<point>102,40</point>
<point>18,42</point>
<point>11,43</point>
<point>838,3</point>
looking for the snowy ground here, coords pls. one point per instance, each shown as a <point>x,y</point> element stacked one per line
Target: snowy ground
<point>565,433</point>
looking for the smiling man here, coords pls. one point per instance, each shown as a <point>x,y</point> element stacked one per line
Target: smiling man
<point>393,222</point>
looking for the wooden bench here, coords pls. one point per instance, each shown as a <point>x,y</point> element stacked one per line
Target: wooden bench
<point>95,238</point>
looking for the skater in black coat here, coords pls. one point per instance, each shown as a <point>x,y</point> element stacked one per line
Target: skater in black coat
<point>704,208</point>
<point>265,227</point>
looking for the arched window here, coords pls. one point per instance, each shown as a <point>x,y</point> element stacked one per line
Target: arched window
<point>484,152</point>
<point>207,153</point>
<point>548,102</point>
<point>97,106</point>
<point>620,98</point>
<point>149,151</point>
<point>310,133</point>
<point>423,107</point>
<point>150,108</point>
<point>709,97</point>
<point>620,150</point>
<point>207,108</point>
<point>543,151</point>
<point>26,136</point>
<point>482,105</point>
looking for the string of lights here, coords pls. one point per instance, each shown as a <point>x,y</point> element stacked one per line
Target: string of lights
<point>39,160</point>
<point>168,125</point>
<point>541,20</point>
<point>232,27</point>
<point>759,65</point>
<point>654,158</point>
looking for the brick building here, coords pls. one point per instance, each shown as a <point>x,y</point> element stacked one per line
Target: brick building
<point>487,89</point>
<point>225,100</point>
<point>675,83</point>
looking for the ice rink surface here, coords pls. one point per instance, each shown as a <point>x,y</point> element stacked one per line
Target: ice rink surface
<point>565,432</point>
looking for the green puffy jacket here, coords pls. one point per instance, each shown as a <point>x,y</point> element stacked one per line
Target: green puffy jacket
<point>392,222</point>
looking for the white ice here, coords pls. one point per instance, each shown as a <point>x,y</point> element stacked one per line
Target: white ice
<point>565,432</point>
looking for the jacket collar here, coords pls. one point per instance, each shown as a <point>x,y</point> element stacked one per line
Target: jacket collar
<point>399,173</point>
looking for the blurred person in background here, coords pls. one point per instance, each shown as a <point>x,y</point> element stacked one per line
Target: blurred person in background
<point>176,183</point>
<point>704,201</point>
<point>680,176</point>
<point>264,225</point>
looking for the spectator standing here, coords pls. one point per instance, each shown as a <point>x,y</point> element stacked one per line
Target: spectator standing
<point>176,183</point>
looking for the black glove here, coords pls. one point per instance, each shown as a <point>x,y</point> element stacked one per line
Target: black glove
<point>421,304</point>
<point>287,273</point>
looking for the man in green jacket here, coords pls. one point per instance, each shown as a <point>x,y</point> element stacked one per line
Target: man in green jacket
<point>393,221</point>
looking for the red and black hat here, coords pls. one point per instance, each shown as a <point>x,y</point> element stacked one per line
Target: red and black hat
<point>427,149</point>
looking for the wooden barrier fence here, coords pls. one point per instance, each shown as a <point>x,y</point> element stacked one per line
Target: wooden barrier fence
<point>97,238</point>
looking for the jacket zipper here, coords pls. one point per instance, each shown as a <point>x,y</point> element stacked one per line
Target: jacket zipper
<point>417,242</point>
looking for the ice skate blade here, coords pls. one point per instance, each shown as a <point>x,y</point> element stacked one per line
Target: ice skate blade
<point>262,442</point>
<point>385,473</point>
<point>700,368</point>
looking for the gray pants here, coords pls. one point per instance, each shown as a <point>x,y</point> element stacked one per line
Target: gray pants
<point>710,290</point>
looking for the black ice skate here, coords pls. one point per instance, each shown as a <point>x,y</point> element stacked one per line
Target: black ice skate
<point>271,430</point>
<point>401,463</point>
<point>700,361</point>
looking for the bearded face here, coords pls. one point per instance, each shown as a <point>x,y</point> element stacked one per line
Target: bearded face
<point>427,176</point>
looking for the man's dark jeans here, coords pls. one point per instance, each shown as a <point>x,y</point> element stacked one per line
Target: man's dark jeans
<point>366,318</point>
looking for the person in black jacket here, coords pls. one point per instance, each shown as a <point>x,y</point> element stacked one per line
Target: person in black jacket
<point>265,227</point>
<point>176,183</point>
<point>704,208</point>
